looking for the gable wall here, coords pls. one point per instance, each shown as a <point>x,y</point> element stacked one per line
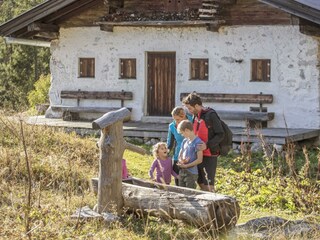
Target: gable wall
<point>253,12</point>
<point>294,75</point>
<point>86,17</point>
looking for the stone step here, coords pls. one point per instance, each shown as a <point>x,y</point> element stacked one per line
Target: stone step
<point>152,119</point>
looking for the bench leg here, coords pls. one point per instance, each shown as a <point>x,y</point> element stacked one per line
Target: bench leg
<point>70,116</point>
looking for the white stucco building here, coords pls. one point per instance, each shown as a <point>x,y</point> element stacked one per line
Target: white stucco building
<point>243,47</point>
<point>294,80</point>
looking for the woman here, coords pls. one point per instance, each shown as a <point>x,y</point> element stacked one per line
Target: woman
<point>174,138</point>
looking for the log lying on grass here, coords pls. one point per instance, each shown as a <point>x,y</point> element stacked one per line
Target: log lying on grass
<point>203,209</point>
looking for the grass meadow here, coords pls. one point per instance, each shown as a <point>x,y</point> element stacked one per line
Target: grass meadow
<point>45,176</point>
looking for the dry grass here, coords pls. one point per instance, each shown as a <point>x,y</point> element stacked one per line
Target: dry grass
<point>62,166</point>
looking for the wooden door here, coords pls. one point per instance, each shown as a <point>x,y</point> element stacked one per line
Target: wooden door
<point>161,83</point>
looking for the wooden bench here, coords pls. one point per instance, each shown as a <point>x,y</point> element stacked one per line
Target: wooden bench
<point>259,115</point>
<point>72,112</point>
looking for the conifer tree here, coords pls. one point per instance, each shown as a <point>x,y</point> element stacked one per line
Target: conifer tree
<point>20,65</point>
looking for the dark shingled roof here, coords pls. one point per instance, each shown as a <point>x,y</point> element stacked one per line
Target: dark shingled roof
<point>311,3</point>
<point>306,9</point>
<point>53,11</point>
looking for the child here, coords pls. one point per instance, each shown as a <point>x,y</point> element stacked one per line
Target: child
<point>174,138</point>
<point>189,156</point>
<point>162,164</point>
<point>125,173</point>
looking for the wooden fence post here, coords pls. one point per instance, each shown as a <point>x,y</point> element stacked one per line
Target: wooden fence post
<point>112,146</point>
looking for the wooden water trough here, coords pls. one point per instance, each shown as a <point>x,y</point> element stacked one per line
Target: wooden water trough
<point>204,209</point>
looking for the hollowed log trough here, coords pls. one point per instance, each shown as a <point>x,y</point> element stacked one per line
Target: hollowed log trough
<point>205,210</point>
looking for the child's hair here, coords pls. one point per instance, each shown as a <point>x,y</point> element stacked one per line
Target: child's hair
<point>178,111</point>
<point>156,147</point>
<point>183,125</point>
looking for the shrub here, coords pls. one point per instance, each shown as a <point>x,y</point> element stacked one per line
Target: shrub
<point>40,93</point>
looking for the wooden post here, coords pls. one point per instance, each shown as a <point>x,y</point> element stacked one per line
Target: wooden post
<point>260,104</point>
<point>111,146</point>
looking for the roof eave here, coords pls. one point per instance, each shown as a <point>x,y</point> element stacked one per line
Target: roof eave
<point>34,14</point>
<point>296,8</point>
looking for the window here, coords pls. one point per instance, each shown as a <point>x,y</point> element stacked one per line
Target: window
<point>199,69</point>
<point>128,68</point>
<point>260,70</point>
<point>86,67</point>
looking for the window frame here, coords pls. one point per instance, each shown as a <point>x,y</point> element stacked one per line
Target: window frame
<point>264,73</point>
<point>123,68</point>
<point>194,74</point>
<point>87,68</point>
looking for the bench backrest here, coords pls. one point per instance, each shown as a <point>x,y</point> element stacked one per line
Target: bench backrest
<point>111,95</point>
<point>233,97</point>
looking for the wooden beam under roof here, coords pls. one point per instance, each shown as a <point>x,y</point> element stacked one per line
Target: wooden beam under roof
<point>309,28</point>
<point>47,35</point>
<point>42,27</point>
<point>42,31</point>
<point>210,25</point>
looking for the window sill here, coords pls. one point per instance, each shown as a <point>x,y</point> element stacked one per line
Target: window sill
<point>195,79</point>
<point>260,80</point>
